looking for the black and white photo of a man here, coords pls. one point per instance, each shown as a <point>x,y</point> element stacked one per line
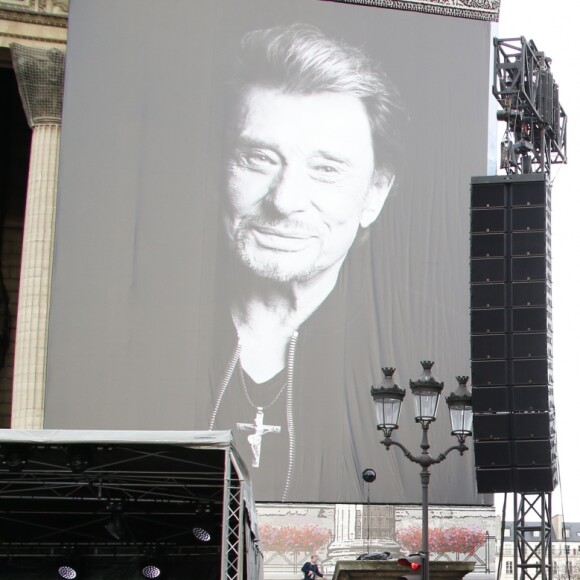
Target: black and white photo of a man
<point>310,166</point>
<point>255,217</point>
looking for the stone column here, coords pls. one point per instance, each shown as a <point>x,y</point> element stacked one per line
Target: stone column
<point>351,531</point>
<point>40,75</point>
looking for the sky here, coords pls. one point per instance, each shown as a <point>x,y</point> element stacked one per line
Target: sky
<point>553,26</point>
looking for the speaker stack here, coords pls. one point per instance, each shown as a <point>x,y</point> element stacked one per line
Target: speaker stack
<point>511,334</point>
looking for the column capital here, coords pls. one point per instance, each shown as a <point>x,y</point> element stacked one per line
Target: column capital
<point>40,76</point>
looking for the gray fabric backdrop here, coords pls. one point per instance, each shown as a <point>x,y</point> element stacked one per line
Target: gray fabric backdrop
<point>138,335</point>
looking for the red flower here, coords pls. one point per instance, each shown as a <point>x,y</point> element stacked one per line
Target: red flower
<point>458,539</point>
<point>293,539</point>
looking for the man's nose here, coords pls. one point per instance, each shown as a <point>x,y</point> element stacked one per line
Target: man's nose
<point>291,191</point>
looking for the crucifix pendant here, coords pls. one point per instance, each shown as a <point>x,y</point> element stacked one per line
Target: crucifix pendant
<point>255,438</point>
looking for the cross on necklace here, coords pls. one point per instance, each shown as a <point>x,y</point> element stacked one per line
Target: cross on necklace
<point>255,439</point>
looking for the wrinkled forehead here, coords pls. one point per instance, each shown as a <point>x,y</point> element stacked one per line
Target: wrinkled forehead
<point>331,111</point>
<point>252,94</point>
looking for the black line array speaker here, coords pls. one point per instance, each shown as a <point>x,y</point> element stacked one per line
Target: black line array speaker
<point>511,334</point>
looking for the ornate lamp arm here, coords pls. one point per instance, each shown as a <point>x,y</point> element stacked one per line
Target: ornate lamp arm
<point>462,448</point>
<point>425,459</point>
<point>387,442</point>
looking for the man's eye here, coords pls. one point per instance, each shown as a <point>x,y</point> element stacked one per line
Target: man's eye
<point>326,169</point>
<point>326,172</point>
<point>259,160</point>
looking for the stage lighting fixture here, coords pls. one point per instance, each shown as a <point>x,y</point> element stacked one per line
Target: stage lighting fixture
<point>201,535</point>
<point>509,115</point>
<point>77,458</point>
<point>151,570</point>
<point>15,457</point>
<point>523,146</point>
<point>67,571</point>
<point>116,525</point>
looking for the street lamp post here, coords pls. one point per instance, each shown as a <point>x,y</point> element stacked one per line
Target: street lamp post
<point>426,391</point>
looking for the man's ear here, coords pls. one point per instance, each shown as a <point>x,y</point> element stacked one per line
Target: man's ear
<point>376,197</point>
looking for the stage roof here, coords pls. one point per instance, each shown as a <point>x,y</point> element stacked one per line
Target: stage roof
<point>117,492</point>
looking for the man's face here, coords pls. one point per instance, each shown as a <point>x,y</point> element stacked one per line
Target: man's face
<point>301,180</point>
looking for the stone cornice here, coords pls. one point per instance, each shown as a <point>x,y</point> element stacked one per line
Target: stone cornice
<point>473,9</point>
<point>30,37</point>
<point>41,30</point>
<point>41,12</point>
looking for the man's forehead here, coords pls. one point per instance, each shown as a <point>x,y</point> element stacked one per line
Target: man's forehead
<point>257,96</point>
<point>323,120</point>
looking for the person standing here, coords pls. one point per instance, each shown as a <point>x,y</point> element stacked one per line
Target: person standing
<point>310,569</point>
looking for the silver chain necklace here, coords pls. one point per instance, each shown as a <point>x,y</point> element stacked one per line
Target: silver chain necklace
<point>263,407</point>
<point>258,426</point>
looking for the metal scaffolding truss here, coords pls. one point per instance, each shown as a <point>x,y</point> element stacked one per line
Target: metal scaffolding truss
<point>233,536</point>
<point>524,86</point>
<point>534,139</point>
<point>533,536</point>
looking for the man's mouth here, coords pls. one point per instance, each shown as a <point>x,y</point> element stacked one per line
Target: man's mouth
<point>281,238</point>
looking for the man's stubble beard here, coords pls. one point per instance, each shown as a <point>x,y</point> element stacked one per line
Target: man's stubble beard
<point>271,263</point>
<point>275,265</point>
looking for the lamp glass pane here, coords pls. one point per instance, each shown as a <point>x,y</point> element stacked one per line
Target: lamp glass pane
<point>426,403</point>
<point>461,419</point>
<point>388,412</point>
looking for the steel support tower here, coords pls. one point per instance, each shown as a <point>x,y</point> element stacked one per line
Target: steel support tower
<point>534,140</point>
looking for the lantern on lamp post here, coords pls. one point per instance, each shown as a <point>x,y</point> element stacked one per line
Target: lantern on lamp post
<point>388,398</point>
<point>461,410</point>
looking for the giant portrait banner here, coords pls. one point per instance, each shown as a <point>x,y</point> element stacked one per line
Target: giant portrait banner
<point>261,204</point>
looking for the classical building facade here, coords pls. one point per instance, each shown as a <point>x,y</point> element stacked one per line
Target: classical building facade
<point>32,47</point>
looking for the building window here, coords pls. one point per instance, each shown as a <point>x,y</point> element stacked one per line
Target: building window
<point>509,567</point>
<point>567,532</point>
